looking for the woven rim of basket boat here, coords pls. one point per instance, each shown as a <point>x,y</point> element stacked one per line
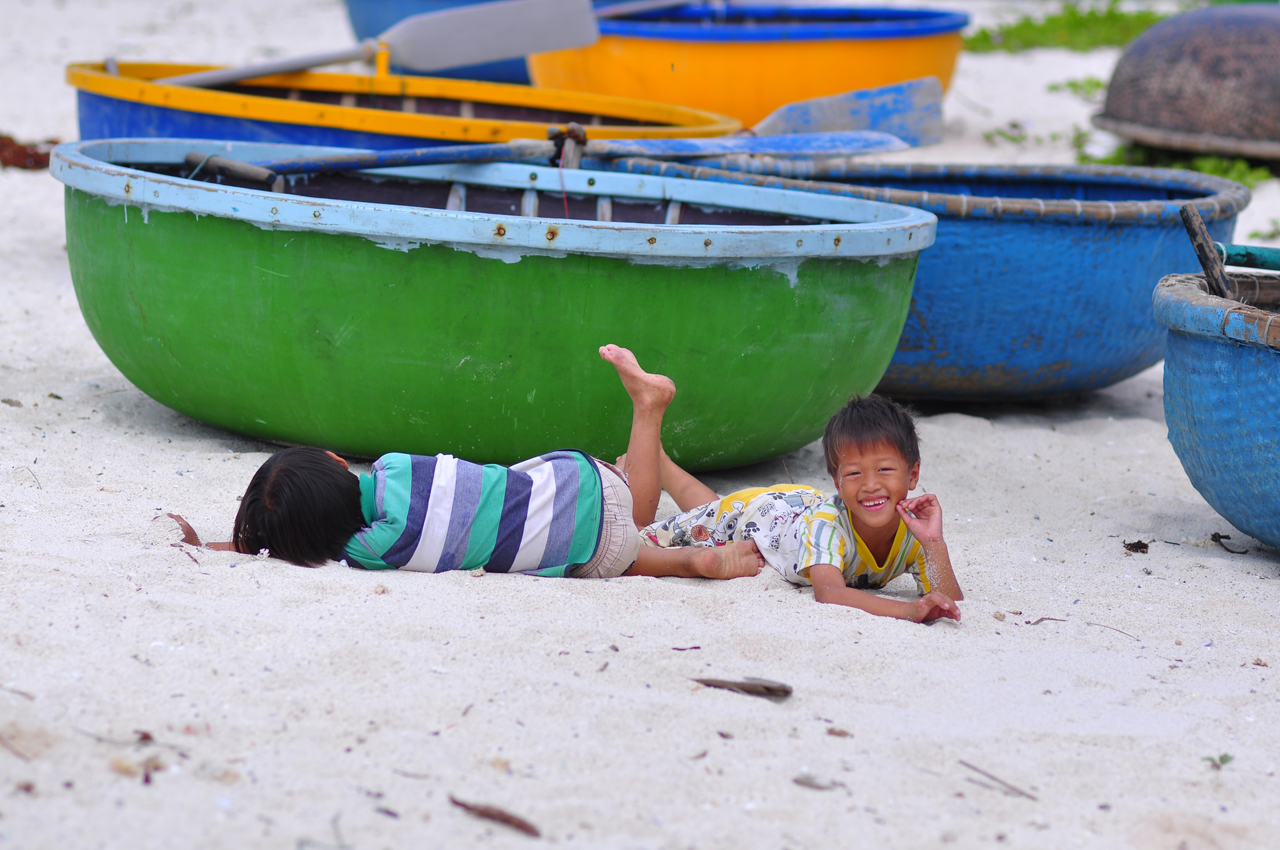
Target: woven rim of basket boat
<point>1187,306</point>
<point>1161,137</point>
<point>1222,198</point>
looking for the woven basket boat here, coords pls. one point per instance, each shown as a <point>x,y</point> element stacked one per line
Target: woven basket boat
<point>1205,81</point>
<point>381,111</point>
<point>1040,280</point>
<point>1221,381</point>
<point>459,308</point>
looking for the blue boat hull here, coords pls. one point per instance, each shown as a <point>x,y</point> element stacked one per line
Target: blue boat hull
<point>1007,309</point>
<point>370,18</point>
<point>110,118</point>
<point>1040,280</point>
<point>1220,405</point>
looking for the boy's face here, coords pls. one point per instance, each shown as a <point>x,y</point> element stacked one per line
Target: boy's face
<point>871,481</point>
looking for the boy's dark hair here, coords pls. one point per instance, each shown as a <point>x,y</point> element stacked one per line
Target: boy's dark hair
<point>868,420</point>
<point>301,506</point>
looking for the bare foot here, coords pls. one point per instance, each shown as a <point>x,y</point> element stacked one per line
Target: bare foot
<point>735,560</point>
<point>646,390</point>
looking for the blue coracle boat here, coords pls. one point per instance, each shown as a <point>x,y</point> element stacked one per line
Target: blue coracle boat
<point>1221,382</point>
<point>1040,280</point>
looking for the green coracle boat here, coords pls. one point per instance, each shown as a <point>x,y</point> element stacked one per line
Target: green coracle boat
<point>433,309</point>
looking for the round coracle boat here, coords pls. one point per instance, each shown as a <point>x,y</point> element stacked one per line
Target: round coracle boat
<point>1039,282</point>
<point>459,308</point>
<point>381,111</point>
<point>1221,381</point>
<point>746,61</point>
<point>1205,81</point>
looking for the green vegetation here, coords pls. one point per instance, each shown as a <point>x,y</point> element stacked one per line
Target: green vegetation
<point>1088,89</point>
<point>1220,762</point>
<point>1106,26</point>
<point>1239,170</point>
<point>1272,233</point>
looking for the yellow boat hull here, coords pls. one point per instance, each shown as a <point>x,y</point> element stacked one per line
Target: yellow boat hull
<point>379,110</point>
<point>746,80</point>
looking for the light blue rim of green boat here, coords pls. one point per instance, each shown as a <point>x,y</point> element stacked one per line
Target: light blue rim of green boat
<point>851,228</point>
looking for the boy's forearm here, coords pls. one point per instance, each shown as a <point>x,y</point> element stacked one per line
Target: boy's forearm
<point>863,601</point>
<point>938,566</point>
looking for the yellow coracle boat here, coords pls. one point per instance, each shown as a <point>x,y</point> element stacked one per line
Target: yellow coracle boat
<point>747,61</point>
<point>380,111</point>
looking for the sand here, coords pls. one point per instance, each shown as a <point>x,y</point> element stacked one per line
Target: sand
<point>339,708</point>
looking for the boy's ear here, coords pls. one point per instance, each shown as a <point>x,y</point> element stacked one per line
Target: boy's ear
<point>344,463</point>
<point>914,478</point>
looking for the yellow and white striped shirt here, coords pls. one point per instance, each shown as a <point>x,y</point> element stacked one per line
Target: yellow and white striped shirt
<point>827,537</point>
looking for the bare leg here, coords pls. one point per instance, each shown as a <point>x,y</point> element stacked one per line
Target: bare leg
<point>650,395</point>
<point>735,560</point>
<point>687,491</point>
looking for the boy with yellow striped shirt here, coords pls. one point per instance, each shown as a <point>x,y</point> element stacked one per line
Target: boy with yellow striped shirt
<point>863,537</point>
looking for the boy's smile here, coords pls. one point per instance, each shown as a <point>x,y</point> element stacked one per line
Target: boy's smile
<point>871,481</point>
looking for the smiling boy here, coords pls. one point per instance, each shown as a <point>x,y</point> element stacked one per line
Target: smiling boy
<point>865,536</point>
<point>870,533</point>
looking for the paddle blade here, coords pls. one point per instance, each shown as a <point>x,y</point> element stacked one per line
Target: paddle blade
<point>489,32</point>
<point>912,111</point>
<point>783,147</point>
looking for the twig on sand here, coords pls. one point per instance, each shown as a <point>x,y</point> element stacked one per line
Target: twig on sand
<point>144,739</point>
<point>1015,790</point>
<point>1051,619</point>
<point>11,747</point>
<point>1114,629</point>
<point>18,692</point>
<point>497,815</point>
<point>33,475</point>
<point>407,775</point>
<point>339,842</point>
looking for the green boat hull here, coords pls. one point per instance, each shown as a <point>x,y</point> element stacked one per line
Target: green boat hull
<point>332,340</point>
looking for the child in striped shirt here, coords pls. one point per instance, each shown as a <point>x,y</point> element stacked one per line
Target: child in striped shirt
<point>560,514</point>
<point>865,536</point>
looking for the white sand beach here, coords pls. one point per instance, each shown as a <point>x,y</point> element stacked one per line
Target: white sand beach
<point>155,695</point>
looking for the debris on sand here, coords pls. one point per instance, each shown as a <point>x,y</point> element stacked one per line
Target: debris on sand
<point>1138,547</point>
<point>498,815</point>
<point>33,156</point>
<point>750,686</point>
<point>1218,538</point>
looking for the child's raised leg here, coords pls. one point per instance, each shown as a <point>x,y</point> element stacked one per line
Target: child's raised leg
<point>685,490</point>
<point>650,395</point>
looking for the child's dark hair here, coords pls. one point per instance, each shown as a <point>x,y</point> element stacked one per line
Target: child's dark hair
<point>868,420</point>
<point>302,506</point>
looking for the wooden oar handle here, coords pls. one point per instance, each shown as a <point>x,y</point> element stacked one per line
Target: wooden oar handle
<point>229,168</point>
<point>1214,274</point>
<point>224,76</point>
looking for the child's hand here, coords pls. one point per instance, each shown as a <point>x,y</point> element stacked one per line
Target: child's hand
<point>926,525</point>
<point>934,606</point>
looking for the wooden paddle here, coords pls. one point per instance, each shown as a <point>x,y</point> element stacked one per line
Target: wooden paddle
<point>806,144</point>
<point>912,111</point>
<point>461,35</point>
<point>1214,274</point>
